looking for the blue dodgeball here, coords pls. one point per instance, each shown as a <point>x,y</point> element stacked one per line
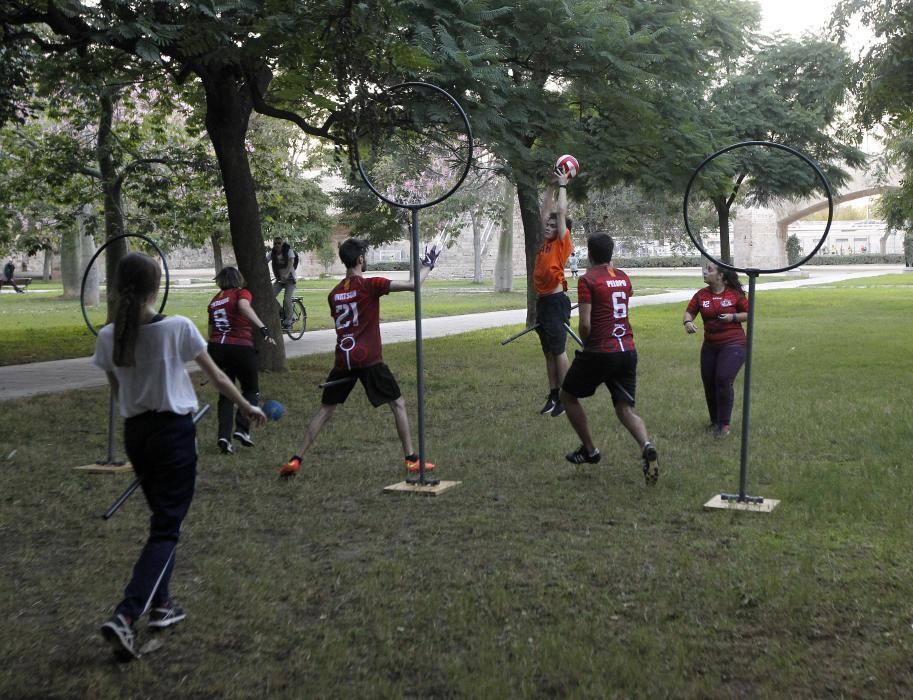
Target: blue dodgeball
<point>273,409</point>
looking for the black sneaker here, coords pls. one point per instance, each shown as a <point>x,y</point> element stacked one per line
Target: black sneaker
<point>650,464</point>
<point>165,616</point>
<point>121,635</point>
<point>548,407</point>
<point>558,410</point>
<point>581,456</point>
<point>225,446</point>
<point>244,437</point>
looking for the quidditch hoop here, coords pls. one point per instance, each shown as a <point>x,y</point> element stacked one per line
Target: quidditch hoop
<point>85,276</point>
<point>468,131</point>
<point>745,144</point>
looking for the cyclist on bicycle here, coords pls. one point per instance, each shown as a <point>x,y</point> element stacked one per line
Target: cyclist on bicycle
<point>284,260</point>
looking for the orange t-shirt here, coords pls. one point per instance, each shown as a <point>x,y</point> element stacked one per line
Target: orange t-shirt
<point>548,272</point>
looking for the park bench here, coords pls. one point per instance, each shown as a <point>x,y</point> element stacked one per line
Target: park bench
<point>20,281</point>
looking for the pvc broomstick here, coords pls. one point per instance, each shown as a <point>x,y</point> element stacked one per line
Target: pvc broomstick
<point>535,326</point>
<point>335,382</point>
<point>138,480</point>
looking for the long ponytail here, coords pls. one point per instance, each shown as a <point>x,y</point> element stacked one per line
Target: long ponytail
<point>137,278</point>
<point>731,280</point>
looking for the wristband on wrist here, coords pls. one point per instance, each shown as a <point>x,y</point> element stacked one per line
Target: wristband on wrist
<point>560,186</point>
<point>685,323</point>
<point>264,331</point>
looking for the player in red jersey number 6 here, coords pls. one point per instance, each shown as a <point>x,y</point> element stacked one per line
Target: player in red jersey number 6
<point>608,356</point>
<point>355,307</point>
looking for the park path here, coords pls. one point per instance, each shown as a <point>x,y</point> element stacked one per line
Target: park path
<point>21,381</point>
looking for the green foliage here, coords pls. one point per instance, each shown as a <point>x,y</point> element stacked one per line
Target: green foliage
<point>292,204</point>
<point>365,216</point>
<point>793,249</point>
<point>17,61</point>
<point>882,80</point>
<point>658,261</point>
<point>857,259</point>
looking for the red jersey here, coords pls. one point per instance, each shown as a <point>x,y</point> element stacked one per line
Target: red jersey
<point>608,290</point>
<point>227,325</point>
<point>355,307</point>
<point>710,306</point>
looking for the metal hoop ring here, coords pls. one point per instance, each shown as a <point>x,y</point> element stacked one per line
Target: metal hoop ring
<point>85,275</point>
<point>456,186</point>
<point>788,149</point>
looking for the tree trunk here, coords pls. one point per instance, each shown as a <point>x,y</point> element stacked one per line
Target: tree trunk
<point>216,252</point>
<point>532,234</point>
<point>111,190</point>
<point>476,220</point>
<point>722,212</point>
<point>883,242</point>
<point>70,261</point>
<point>48,264</point>
<point>504,264</point>
<point>228,110</point>
<point>88,249</point>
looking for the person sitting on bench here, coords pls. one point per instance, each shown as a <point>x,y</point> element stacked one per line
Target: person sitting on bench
<point>8,271</point>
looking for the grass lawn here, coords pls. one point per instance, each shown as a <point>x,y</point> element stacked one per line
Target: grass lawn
<point>36,327</point>
<point>533,578</point>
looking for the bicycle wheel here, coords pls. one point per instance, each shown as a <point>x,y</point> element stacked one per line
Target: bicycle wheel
<point>299,320</point>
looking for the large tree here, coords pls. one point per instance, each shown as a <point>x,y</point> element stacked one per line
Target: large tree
<point>883,87</point>
<point>790,92</point>
<point>326,54</point>
<point>611,84</point>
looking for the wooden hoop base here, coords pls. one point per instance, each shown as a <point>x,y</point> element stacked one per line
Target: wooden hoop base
<point>720,503</point>
<point>426,489</point>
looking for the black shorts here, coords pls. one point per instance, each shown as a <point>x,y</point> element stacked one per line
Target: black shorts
<point>617,370</point>
<point>552,313</point>
<point>379,383</point>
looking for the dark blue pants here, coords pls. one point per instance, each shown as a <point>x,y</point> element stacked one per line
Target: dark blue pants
<point>239,362</point>
<point>719,367</point>
<point>162,448</point>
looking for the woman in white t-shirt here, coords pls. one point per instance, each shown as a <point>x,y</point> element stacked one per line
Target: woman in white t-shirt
<point>143,354</point>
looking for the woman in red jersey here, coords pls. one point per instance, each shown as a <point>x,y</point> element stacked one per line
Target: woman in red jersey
<point>232,320</point>
<point>723,307</point>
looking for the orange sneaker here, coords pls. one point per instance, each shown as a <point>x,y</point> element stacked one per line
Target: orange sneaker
<point>412,466</point>
<point>291,467</point>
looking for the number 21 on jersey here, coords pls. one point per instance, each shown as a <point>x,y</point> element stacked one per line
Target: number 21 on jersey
<point>346,315</point>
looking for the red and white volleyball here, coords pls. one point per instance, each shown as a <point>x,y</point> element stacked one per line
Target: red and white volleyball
<point>567,165</point>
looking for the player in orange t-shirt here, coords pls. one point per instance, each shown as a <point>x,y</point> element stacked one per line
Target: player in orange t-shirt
<point>553,308</point>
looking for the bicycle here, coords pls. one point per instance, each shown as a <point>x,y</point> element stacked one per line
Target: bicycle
<point>295,329</point>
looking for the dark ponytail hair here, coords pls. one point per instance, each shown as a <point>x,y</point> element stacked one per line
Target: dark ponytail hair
<point>136,279</point>
<point>731,280</point>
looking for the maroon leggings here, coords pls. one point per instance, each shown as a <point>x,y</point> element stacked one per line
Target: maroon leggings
<point>719,367</point>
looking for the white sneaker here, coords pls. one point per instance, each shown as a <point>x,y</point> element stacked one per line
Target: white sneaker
<point>121,635</point>
<point>244,438</point>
